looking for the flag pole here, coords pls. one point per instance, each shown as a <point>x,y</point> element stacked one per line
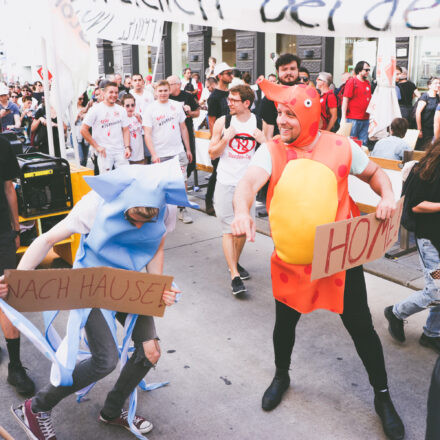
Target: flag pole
<point>156,62</point>
<point>47,98</point>
<point>60,116</point>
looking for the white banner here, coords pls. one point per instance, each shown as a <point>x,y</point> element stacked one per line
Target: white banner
<point>121,25</point>
<point>349,18</point>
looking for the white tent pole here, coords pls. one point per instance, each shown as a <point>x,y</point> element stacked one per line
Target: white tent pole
<point>47,97</point>
<point>60,116</point>
<point>73,129</point>
<point>156,62</point>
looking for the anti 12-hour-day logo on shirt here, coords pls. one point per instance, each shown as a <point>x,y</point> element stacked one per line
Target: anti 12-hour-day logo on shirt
<point>242,143</point>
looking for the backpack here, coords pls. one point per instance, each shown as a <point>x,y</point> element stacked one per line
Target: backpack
<point>228,119</point>
<point>408,220</point>
<point>336,125</point>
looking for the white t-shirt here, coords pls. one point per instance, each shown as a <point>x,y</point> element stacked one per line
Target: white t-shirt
<point>81,218</point>
<point>136,141</point>
<point>165,120</point>
<point>359,160</point>
<point>142,101</point>
<point>238,153</point>
<point>107,123</point>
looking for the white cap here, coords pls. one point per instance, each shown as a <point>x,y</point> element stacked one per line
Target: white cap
<point>219,68</point>
<point>4,90</point>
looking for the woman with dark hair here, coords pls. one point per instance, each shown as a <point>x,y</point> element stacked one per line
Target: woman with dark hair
<point>423,198</point>
<point>425,112</point>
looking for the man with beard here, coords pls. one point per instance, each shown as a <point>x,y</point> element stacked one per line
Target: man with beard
<point>357,96</point>
<point>287,66</point>
<point>308,173</point>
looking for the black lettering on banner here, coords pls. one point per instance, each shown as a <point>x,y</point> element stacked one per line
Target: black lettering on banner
<point>330,23</point>
<point>412,8</point>
<point>189,12</point>
<point>148,4</point>
<point>280,16</point>
<point>309,4</point>
<point>101,19</point>
<point>390,16</point>
<point>219,9</point>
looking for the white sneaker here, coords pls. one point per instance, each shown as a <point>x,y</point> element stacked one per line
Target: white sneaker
<point>184,216</point>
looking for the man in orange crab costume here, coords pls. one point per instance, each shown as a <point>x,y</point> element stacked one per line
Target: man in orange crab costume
<point>308,185</point>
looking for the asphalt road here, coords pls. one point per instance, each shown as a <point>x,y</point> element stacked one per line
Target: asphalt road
<point>218,356</point>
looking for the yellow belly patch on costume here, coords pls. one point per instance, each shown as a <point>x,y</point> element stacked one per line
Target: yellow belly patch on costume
<point>305,196</point>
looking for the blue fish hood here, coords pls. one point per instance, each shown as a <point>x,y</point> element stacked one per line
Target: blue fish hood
<point>113,241</point>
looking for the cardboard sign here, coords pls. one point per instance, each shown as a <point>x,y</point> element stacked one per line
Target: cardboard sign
<point>349,243</point>
<point>101,287</point>
<point>40,72</point>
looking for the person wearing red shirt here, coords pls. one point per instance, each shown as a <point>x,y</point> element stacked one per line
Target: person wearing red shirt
<point>329,102</point>
<point>357,95</point>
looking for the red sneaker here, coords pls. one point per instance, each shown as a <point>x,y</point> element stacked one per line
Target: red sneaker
<point>38,426</point>
<point>141,424</point>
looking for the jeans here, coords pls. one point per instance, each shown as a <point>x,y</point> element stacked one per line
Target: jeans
<point>356,319</point>
<point>433,420</point>
<point>429,296</point>
<point>83,152</point>
<point>102,362</point>
<point>359,129</point>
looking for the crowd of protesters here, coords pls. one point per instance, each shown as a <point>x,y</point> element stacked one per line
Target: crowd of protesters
<point>131,120</point>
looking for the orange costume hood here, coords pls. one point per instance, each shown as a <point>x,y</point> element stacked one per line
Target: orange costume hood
<point>303,101</point>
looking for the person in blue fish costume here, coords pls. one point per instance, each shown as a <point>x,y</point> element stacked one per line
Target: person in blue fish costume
<point>123,222</point>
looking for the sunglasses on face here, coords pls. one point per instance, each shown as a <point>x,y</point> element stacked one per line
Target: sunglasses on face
<point>228,72</point>
<point>304,79</point>
<point>367,70</point>
<point>14,96</point>
<point>129,105</point>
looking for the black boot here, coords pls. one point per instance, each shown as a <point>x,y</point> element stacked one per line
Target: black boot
<point>391,422</point>
<point>18,378</point>
<point>280,383</point>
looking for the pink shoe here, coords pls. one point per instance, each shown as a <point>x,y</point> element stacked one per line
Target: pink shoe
<point>38,426</point>
<point>141,424</point>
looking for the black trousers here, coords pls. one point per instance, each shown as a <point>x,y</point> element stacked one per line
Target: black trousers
<point>356,319</point>
<point>7,251</point>
<point>211,183</point>
<point>433,419</point>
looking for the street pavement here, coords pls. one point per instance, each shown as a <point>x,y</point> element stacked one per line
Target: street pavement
<point>217,354</point>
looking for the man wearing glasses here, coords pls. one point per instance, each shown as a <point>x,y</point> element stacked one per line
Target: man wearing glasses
<point>357,95</point>
<point>217,107</point>
<point>304,75</point>
<point>234,141</point>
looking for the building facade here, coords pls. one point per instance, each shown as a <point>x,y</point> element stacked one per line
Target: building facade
<point>255,52</point>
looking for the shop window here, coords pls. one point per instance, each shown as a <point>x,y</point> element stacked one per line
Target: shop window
<point>286,44</point>
<point>426,60</point>
<point>229,46</point>
<point>360,49</point>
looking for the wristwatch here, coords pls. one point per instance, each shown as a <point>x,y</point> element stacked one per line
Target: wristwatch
<point>128,146</point>
<point>17,233</point>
